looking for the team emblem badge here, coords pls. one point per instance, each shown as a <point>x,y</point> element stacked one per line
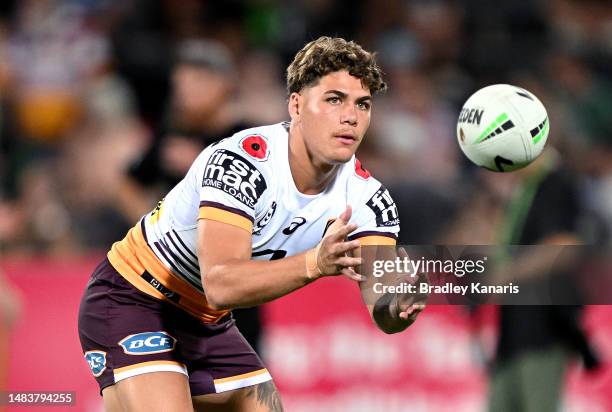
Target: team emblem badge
<point>96,359</point>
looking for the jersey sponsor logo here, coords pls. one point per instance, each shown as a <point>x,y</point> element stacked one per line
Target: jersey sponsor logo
<point>147,342</point>
<point>261,223</point>
<point>360,171</point>
<point>384,208</point>
<point>234,175</point>
<point>256,146</point>
<point>96,359</point>
<point>294,225</point>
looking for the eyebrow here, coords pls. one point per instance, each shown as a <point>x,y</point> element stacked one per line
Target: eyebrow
<point>344,95</point>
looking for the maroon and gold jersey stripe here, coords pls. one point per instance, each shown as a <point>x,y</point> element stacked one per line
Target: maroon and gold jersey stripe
<point>375,239</point>
<point>224,214</point>
<point>132,256</point>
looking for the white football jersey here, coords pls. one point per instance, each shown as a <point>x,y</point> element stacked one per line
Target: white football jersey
<point>245,181</point>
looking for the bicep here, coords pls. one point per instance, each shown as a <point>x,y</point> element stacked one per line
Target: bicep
<point>219,243</point>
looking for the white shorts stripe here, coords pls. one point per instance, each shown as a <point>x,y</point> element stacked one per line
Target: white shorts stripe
<point>242,383</point>
<point>150,368</point>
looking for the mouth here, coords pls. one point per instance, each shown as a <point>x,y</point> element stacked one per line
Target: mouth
<point>345,138</point>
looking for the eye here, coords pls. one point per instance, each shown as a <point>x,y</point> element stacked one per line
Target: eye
<point>333,100</point>
<point>363,105</point>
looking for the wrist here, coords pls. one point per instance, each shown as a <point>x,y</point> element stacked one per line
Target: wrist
<point>386,314</point>
<point>312,267</point>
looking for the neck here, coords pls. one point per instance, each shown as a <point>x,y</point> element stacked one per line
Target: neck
<point>309,175</point>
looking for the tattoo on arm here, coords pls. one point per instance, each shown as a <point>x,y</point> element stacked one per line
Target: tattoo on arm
<point>268,396</point>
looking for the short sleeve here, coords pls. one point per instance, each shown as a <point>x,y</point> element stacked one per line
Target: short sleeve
<point>377,219</point>
<point>231,187</point>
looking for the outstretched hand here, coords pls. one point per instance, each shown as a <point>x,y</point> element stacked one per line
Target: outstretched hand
<point>330,257</point>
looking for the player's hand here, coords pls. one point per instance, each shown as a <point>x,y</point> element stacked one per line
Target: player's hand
<point>330,256</point>
<point>411,312</point>
<point>409,305</point>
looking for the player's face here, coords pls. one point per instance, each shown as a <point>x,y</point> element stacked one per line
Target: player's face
<point>332,116</point>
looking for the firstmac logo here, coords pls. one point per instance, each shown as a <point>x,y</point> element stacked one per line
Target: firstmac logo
<point>147,342</point>
<point>384,208</point>
<point>232,173</point>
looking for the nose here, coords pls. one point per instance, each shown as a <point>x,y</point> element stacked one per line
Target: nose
<point>349,115</point>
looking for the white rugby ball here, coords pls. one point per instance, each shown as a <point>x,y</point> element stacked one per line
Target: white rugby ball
<point>502,127</point>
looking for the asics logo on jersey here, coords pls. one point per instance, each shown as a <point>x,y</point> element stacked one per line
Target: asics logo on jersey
<point>261,223</point>
<point>384,208</point>
<point>96,359</point>
<point>234,175</point>
<point>293,226</point>
<point>147,342</point>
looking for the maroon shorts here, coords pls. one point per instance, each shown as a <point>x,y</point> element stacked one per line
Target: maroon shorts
<point>125,333</point>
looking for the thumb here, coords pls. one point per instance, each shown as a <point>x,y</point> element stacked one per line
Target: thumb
<point>342,219</point>
<point>346,215</point>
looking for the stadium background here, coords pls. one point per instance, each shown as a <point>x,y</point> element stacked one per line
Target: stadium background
<point>83,85</point>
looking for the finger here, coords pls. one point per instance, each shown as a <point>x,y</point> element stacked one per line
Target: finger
<point>412,310</point>
<point>407,314</point>
<point>346,215</point>
<point>343,231</point>
<point>347,261</point>
<point>342,248</point>
<point>404,315</point>
<point>416,308</point>
<point>337,223</point>
<point>351,274</point>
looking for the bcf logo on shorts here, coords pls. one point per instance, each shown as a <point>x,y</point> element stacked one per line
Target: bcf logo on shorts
<point>96,359</point>
<point>147,342</point>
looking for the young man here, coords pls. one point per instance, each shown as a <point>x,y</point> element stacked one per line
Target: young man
<point>250,222</point>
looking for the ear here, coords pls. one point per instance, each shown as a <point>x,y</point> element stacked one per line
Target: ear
<point>294,105</point>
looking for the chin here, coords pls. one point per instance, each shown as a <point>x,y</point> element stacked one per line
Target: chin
<point>338,158</point>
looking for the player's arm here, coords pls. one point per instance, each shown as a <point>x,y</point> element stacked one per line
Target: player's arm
<point>391,312</point>
<point>378,221</point>
<point>231,279</point>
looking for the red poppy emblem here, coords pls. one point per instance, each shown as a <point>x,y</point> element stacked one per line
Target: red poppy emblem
<point>361,172</point>
<point>256,146</point>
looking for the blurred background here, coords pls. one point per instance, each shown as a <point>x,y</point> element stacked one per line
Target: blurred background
<point>105,103</point>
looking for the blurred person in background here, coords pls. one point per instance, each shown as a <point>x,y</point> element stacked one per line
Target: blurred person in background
<point>50,54</point>
<point>536,205</point>
<point>202,110</point>
<point>537,343</point>
<point>60,94</point>
<point>583,98</point>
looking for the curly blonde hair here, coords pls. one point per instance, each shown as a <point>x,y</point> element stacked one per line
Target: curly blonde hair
<point>330,54</point>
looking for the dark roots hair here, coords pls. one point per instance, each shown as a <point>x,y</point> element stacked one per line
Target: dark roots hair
<point>326,55</point>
